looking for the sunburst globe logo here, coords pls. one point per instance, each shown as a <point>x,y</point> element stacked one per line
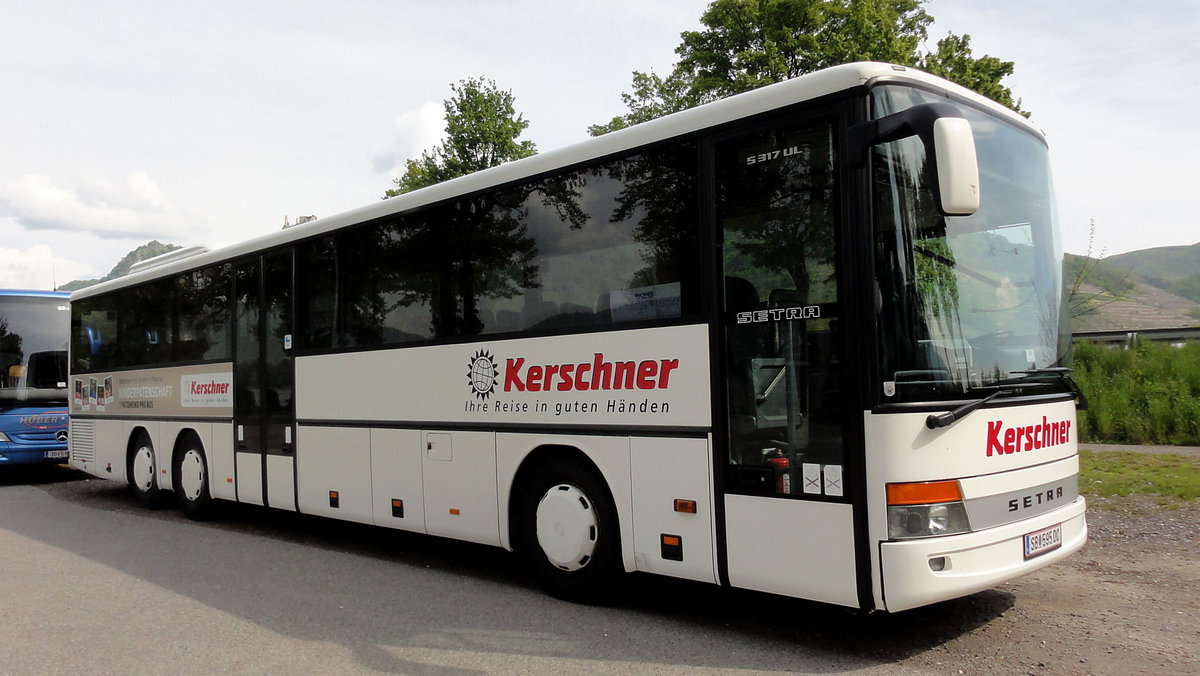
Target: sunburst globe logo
<point>482,374</point>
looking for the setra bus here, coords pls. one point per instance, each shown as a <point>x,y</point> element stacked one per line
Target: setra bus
<point>807,340</point>
<point>34,327</point>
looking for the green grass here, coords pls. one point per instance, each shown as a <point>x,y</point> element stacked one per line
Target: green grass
<point>1147,395</point>
<point>1168,478</point>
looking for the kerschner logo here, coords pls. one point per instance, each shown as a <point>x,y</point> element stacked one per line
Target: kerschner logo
<point>482,374</point>
<point>206,390</point>
<point>1003,440</point>
<point>519,386</point>
<point>600,373</point>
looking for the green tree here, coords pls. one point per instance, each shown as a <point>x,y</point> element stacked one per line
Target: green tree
<point>482,126</point>
<point>449,258</point>
<point>747,44</point>
<point>953,60</point>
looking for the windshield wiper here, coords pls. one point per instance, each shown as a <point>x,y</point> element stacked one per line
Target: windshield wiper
<point>938,420</point>
<point>1063,372</point>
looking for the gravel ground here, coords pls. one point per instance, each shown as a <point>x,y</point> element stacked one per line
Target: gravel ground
<point>1187,451</point>
<point>1128,603</point>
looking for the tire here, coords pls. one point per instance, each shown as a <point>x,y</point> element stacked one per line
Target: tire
<point>142,472</point>
<point>569,534</point>
<point>191,481</point>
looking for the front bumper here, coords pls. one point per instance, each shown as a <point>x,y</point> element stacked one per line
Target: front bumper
<point>973,562</point>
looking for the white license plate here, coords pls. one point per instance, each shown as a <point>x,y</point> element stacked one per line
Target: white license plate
<point>1042,541</point>
<point>57,454</point>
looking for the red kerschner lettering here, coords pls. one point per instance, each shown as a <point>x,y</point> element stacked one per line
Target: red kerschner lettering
<point>212,387</point>
<point>598,374</point>
<point>1008,440</point>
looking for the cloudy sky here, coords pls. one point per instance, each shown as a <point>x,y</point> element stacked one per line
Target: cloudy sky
<point>209,123</point>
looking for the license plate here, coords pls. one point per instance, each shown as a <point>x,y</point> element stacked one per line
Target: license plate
<point>57,454</point>
<point>1042,541</point>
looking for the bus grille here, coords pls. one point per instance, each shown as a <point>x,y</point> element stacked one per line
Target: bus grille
<point>83,440</point>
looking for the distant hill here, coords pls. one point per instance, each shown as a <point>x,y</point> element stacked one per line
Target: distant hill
<point>147,250</point>
<point>1171,268</point>
<point>1147,289</point>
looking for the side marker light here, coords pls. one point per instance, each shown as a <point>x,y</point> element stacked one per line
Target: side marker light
<point>685,506</point>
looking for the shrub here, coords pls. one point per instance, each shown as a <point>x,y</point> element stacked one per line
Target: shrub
<point>1146,395</point>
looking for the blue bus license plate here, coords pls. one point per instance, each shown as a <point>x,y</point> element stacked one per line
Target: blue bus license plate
<point>50,455</point>
<point>1042,541</point>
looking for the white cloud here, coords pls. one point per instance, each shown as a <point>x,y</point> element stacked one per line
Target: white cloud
<point>37,268</point>
<point>413,133</point>
<point>134,208</point>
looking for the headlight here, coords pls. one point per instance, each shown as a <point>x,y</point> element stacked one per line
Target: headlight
<point>920,521</point>
<point>927,509</point>
<point>3,437</point>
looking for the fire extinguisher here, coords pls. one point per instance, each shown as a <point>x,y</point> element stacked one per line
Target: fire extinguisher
<point>783,478</point>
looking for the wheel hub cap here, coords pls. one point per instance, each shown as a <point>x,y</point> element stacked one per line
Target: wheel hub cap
<point>567,527</point>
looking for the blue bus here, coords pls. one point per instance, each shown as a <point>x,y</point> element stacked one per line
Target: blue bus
<point>34,329</point>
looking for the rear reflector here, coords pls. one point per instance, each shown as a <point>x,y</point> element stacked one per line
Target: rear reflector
<point>672,547</point>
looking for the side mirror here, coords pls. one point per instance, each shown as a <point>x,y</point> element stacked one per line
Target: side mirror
<point>949,147</point>
<point>957,166</point>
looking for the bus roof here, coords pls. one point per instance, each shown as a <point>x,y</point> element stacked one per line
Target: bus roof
<point>797,90</point>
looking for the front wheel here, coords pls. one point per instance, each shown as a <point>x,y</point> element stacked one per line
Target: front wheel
<point>191,482</point>
<point>569,533</point>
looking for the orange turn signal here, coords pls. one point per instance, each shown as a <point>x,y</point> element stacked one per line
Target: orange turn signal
<point>926,493</point>
<point>685,506</point>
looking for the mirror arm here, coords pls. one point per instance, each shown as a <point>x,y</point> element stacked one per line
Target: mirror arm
<point>916,121</point>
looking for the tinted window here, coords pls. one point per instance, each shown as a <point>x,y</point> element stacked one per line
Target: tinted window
<point>202,311</point>
<point>316,291</point>
<point>184,318</point>
<point>605,245</point>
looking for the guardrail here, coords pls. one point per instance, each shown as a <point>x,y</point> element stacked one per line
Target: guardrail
<point>1130,337</point>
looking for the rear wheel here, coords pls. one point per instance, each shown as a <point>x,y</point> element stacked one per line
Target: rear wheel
<point>569,533</point>
<point>191,481</point>
<point>143,472</point>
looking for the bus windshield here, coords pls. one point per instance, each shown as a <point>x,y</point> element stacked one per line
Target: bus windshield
<point>966,302</point>
<point>33,350</point>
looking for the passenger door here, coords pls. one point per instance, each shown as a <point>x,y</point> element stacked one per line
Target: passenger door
<point>264,382</point>
<point>789,523</point>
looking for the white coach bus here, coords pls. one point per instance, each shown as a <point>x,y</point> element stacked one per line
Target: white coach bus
<point>808,340</point>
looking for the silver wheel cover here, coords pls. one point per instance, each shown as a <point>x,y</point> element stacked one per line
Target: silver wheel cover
<point>143,469</point>
<point>191,475</point>
<point>567,527</point>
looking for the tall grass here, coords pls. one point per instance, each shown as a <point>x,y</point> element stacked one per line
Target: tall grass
<point>1146,395</point>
